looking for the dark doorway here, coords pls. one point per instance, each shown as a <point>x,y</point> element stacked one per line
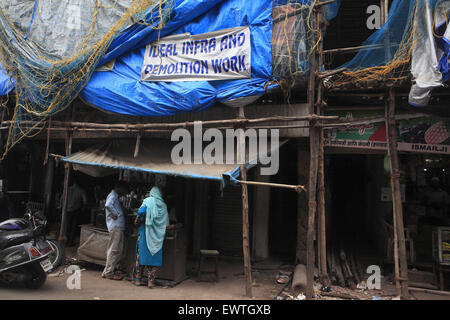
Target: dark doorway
<point>348,180</point>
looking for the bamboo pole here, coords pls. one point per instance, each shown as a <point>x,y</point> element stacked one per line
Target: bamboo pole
<point>328,73</point>
<point>312,196</point>
<point>131,131</point>
<point>383,11</point>
<point>384,4</point>
<point>396,193</point>
<point>138,144</point>
<point>352,49</point>
<point>47,147</point>
<point>394,214</point>
<point>321,241</point>
<point>394,218</point>
<point>67,168</point>
<point>296,188</point>
<point>129,126</point>
<point>1,122</point>
<point>400,260</point>
<point>430,291</point>
<point>298,11</point>
<point>245,223</point>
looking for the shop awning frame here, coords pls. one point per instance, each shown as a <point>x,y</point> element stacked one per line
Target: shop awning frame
<point>154,157</point>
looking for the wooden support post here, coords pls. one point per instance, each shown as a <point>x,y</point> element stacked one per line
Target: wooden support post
<point>312,186</point>
<point>302,203</point>
<point>322,240</point>
<point>67,168</point>
<point>396,191</point>
<point>394,223</point>
<point>382,11</point>
<point>384,5</point>
<point>245,223</point>
<point>2,119</point>
<point>47,147</point>
<point>138,144</point>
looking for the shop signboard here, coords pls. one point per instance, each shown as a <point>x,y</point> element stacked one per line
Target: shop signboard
<point>416,132</point>
<point>218,55</point>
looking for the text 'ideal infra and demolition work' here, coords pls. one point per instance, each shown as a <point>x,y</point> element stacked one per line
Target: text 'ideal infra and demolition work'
<point>218,55</point>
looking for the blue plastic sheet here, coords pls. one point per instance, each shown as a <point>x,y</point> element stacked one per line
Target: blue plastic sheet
<point>6,84</point>
<point>121,91</point>
<point>393,32</point>
<point>419,27</point>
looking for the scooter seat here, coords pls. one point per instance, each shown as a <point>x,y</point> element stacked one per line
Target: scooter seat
<point>12,238</point>
<point>14,224</point>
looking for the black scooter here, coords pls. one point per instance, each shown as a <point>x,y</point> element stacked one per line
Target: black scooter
<point>24,251</point>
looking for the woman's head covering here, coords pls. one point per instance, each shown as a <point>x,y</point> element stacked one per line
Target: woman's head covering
<point>156,220</point>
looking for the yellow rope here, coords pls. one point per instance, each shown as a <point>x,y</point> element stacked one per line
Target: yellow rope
<point>57,90</point>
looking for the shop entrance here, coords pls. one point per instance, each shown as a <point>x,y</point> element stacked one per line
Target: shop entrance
<point>352,215</point>
<point>359,211</point>
<point>348,187</point>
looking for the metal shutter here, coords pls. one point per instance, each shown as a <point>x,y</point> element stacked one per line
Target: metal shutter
<point>227,222</point>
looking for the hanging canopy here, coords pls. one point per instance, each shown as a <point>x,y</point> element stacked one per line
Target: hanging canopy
<point>414,41</point>
<point>154,157</point>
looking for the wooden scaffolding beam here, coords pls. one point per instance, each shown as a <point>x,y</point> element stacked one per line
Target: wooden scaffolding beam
<point>313,164</point>
<point>245,223</point>
<point>67,168</point>
<point>399,233</point>
<point>321,218</point>
<point>62,238</point>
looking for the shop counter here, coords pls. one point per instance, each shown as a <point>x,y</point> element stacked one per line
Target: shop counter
<point>94,243</point>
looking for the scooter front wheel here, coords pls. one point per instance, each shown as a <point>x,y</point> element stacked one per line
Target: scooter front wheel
<point>37,276</point>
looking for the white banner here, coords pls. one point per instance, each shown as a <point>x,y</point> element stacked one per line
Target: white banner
<point>218,55</point>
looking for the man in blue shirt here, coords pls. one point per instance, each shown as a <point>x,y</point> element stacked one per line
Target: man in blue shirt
<point>115,222</point>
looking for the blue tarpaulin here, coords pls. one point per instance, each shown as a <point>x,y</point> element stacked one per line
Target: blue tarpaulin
<point>6,84</point>
<point>415,40</point>
<point>122,91</point>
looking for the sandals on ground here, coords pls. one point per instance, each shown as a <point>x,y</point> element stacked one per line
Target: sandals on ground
<point>137,282</point>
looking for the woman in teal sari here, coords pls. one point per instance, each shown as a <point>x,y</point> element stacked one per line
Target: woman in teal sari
<point>153,220</point>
